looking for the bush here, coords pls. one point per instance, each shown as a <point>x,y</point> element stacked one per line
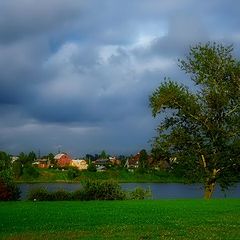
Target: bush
<point>102,190</point>
<point>61,195</point>
<point>92,167</point>
<point>39,194</point>
<point>92,190</point>
<point>29,171</point>
<point>9,191</point>
<point>79,195</point>
<point>140,194</point>
<point>72,173</point>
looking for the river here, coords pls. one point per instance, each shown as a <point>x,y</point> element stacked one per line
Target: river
<point>159,190</point>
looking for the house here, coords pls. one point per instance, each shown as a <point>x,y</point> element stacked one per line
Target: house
<point>132,162</point>
<point>114,161</point>
<point>63,159</point>
<point>101,162</point>
<point>42,163</point>
<point>14,158</point>
<point>79,163</point>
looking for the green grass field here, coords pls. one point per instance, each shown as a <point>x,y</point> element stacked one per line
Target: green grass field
<point>120,175</point>
<point>148,219</point>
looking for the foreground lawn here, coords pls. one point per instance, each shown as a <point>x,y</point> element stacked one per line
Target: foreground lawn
<point>148,219</point>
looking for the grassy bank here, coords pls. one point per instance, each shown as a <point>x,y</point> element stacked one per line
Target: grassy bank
<point>120,175</point>
<point>175,219</point>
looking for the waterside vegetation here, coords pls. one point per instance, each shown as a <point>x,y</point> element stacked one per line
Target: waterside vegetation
<point>119,175</point>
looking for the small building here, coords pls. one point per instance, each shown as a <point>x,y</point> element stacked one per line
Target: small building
<point>79,163</point>
<point>14,158</point>
<point>133,162</point>
<point>101,168</point>
<point>41,163</point>
<point>101,162</point>
<point>63,159</point>
<point>44,163</point>
<point>114,161</point>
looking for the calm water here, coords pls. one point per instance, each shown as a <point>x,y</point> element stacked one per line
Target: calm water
<point>159,190</point>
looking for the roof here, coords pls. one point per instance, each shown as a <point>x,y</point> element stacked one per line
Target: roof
<point>59,155</point>
<point>79,161</point>
<point>101,161</point>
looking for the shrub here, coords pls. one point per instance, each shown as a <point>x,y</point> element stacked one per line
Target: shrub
<point>140,194</point>
<point>39,194</point>
<point>102,190</point>
<point>29,171</point>
<point>72,173</point>
<point>9,191</point>
<point>61,195</point>
<point>92,190</point>
<point>92,167</point>
<point>79,195</point>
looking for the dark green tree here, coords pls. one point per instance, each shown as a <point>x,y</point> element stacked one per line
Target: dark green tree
<point>103,155</point>
<point>143,161</point>
<point>50,157</point>
<point>23,158</point>
<point>91,167</point>
<point>202,126</point>
<point>8,189</point>
<point>31,157</point>
<point>17,168</point>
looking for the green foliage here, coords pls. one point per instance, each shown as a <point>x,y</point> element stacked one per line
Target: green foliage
<point>103,155</point>
<point>5,161</point>
<point>23,158</point>
<point>119,175</point>
<point>201,128</point>
<point>61,195</point>
<point>30,172</point>
<point>78,195</point>
<point>143,161</point>
<point>102,190</point>
<point>39,194</point>
<point>17,169</point>
<point>72,173</point>
<point>92,167</point>
<point>8,189</point>
<point>32,157</point>
<point>140,194</point>
<point>91,190</point>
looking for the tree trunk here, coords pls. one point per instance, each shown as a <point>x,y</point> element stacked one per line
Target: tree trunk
<point>209,188</point>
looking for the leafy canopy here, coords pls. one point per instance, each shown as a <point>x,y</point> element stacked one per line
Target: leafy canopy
<point>200,130</point>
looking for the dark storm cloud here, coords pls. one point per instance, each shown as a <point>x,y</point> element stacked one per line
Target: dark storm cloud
<point>78,73</point>
<point>22,19</point>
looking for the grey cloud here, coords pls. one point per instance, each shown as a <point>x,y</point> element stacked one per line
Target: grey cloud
<point>21,19</point>
<point>78,73</point>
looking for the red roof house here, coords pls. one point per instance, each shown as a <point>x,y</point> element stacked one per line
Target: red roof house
<point>63,159</point>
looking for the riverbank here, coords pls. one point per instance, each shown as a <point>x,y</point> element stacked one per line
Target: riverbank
<point>175,219</point>
<point>158,190</point>
<point>119,175</point>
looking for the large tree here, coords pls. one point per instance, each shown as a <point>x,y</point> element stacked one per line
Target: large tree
<point>201,124</point>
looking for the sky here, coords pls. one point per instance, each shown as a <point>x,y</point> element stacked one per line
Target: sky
<point>76,75</point>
